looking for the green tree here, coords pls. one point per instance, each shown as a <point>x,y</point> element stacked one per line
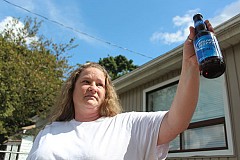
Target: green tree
<point>117,66</point>
<point>32,70</point>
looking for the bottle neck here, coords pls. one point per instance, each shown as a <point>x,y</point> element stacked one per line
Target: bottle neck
<point>199,26</point>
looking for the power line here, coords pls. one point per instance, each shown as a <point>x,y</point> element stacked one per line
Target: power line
<point>75,30</point>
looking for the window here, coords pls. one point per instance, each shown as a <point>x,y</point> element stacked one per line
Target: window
<point>208,129</point>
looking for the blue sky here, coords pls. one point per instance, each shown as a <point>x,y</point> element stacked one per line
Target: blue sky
<point>139,30</point>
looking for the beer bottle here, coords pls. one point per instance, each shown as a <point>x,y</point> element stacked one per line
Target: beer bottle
<point>210,59</point>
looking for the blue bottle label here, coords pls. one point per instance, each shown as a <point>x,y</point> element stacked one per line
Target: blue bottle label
<point>198,23</point>
<point>206,46</point>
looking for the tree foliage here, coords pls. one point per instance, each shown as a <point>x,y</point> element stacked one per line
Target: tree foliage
<point>117,66</point>
<point>32,69</point>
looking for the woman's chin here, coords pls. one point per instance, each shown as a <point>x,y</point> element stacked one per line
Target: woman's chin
<point>91,105</point>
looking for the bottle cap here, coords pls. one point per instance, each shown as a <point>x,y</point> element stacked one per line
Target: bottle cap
<point>197,16</point>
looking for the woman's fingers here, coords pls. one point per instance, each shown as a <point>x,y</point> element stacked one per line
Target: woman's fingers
<point>209,26</point>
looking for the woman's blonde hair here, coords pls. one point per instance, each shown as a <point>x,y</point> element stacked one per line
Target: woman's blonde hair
<point>64,107</point>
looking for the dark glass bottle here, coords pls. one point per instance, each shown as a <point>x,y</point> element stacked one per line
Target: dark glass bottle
<point>210,59</point>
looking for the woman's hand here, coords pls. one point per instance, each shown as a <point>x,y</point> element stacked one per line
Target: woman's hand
<point>189,55</point>
<point>188,48</point>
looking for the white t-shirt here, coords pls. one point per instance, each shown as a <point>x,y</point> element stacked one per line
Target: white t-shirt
<point>126,136</point>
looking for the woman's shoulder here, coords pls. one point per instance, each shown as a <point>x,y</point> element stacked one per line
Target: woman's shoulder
<point>140,114</point>
<point>58,123</point>
<point>56,126</point>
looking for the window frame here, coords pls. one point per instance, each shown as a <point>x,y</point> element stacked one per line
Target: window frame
<point>226,151</point>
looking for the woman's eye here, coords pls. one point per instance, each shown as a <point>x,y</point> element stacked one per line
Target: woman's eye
<point>85,81</point>
<point>100,84</point>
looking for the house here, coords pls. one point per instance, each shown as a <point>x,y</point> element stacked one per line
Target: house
<point>214,130</point>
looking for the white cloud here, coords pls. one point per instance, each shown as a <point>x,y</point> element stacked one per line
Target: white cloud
<point>4,22</point>
<point>28,4</point>
<point>183,23</point>
<point>8,22</point>
<point>228,12</point>
<point>66,13</point>
<point>168,38</point>
<point>70,21</point>
<point>17,26</point>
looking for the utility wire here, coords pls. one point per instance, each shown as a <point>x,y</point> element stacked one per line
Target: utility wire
<point>75,30</point>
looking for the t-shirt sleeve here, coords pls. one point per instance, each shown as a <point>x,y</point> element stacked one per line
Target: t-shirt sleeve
<point>34,154</point>
<point>145,129</point>
<point>35,146</point>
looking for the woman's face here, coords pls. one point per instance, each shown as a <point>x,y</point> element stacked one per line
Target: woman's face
<point>89,91</point>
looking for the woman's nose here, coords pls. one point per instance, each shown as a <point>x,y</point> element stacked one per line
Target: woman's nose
<point>92,88</point>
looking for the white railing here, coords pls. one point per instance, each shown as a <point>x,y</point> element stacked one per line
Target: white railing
<point>13,155</point>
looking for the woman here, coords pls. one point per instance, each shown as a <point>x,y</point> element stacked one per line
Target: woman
<point>88,123</point>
